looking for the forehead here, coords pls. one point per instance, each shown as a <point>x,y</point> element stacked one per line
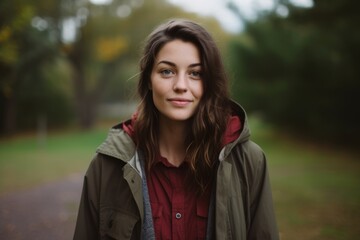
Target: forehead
<point>179,51</point>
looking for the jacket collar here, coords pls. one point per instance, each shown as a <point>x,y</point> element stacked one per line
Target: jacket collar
<point>118,144</point>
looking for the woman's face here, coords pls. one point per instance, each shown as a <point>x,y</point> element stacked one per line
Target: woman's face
<point>176,80</point>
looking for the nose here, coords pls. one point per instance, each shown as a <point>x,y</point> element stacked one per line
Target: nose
<point>180,83</point>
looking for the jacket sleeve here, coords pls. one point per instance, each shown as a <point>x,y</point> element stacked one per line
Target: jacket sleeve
<point>262,225</point>
<point>87,224</point>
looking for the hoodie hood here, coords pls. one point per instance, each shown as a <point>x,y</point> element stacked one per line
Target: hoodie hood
<point>119,144</point>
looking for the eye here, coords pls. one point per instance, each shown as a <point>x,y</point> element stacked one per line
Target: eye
<point>195,74</point>
<point>166,72</point>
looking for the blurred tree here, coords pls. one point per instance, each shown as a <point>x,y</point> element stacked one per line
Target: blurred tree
<point>11,25</point>
<point>301,71</point>
<point>45,43</point>
<point>24,53</point>
<point>105,41</point>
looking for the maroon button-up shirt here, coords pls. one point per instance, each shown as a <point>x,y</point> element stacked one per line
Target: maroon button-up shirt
<point>178,213</point>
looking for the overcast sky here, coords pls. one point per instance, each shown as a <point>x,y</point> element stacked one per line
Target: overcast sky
<point>218,9</point>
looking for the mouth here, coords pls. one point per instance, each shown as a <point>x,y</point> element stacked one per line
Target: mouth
<point>180,101</point>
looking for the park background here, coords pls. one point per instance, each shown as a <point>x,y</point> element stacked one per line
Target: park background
<point>68,72</point>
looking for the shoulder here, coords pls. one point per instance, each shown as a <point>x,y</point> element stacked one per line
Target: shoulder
<point>102,166</point>
<point>249,153</point>
<point>250,161</point>
<point>253,152</point>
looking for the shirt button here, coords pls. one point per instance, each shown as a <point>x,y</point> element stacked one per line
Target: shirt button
<point>178,215</point>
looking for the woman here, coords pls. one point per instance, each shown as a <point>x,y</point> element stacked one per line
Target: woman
<point>183,167</point>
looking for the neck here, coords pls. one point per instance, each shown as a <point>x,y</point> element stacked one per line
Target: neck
<point>172,140</point>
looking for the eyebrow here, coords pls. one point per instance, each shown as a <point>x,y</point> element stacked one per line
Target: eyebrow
<point>174,65</point>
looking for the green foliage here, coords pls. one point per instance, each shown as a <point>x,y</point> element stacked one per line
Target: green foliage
<point>301,72</point>
<point>27,56</point>
<point>43,94</point>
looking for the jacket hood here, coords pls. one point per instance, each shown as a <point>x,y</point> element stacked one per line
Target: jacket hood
<point>239,111</point>
<point>119,144</point>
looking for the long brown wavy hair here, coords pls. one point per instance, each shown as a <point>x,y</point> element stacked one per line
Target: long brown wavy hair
<point>204,140</point>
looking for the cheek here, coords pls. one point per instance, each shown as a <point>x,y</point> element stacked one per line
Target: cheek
<point>157,89</point>
<point>155,100</point>
<point>155,95</point>
<point>158,94</point>
<point>154,83</point>
<point>198,89</point>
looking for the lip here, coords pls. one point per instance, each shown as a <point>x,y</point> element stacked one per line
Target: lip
<point>179,102</point>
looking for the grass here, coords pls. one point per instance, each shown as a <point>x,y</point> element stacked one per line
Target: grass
<point>316,189</point>
<point>25,162</point>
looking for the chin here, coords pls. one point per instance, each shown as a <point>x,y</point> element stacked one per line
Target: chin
<point>178,116</point>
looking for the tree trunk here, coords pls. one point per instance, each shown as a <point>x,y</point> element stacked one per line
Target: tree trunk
<point>86,100</point>
<point>10,115</point>
<point>84,105</point>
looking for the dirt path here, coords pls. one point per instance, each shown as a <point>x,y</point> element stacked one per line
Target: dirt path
<point>41,213</point>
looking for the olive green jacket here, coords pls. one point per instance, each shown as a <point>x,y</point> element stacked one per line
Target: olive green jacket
<point>112,202</point>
